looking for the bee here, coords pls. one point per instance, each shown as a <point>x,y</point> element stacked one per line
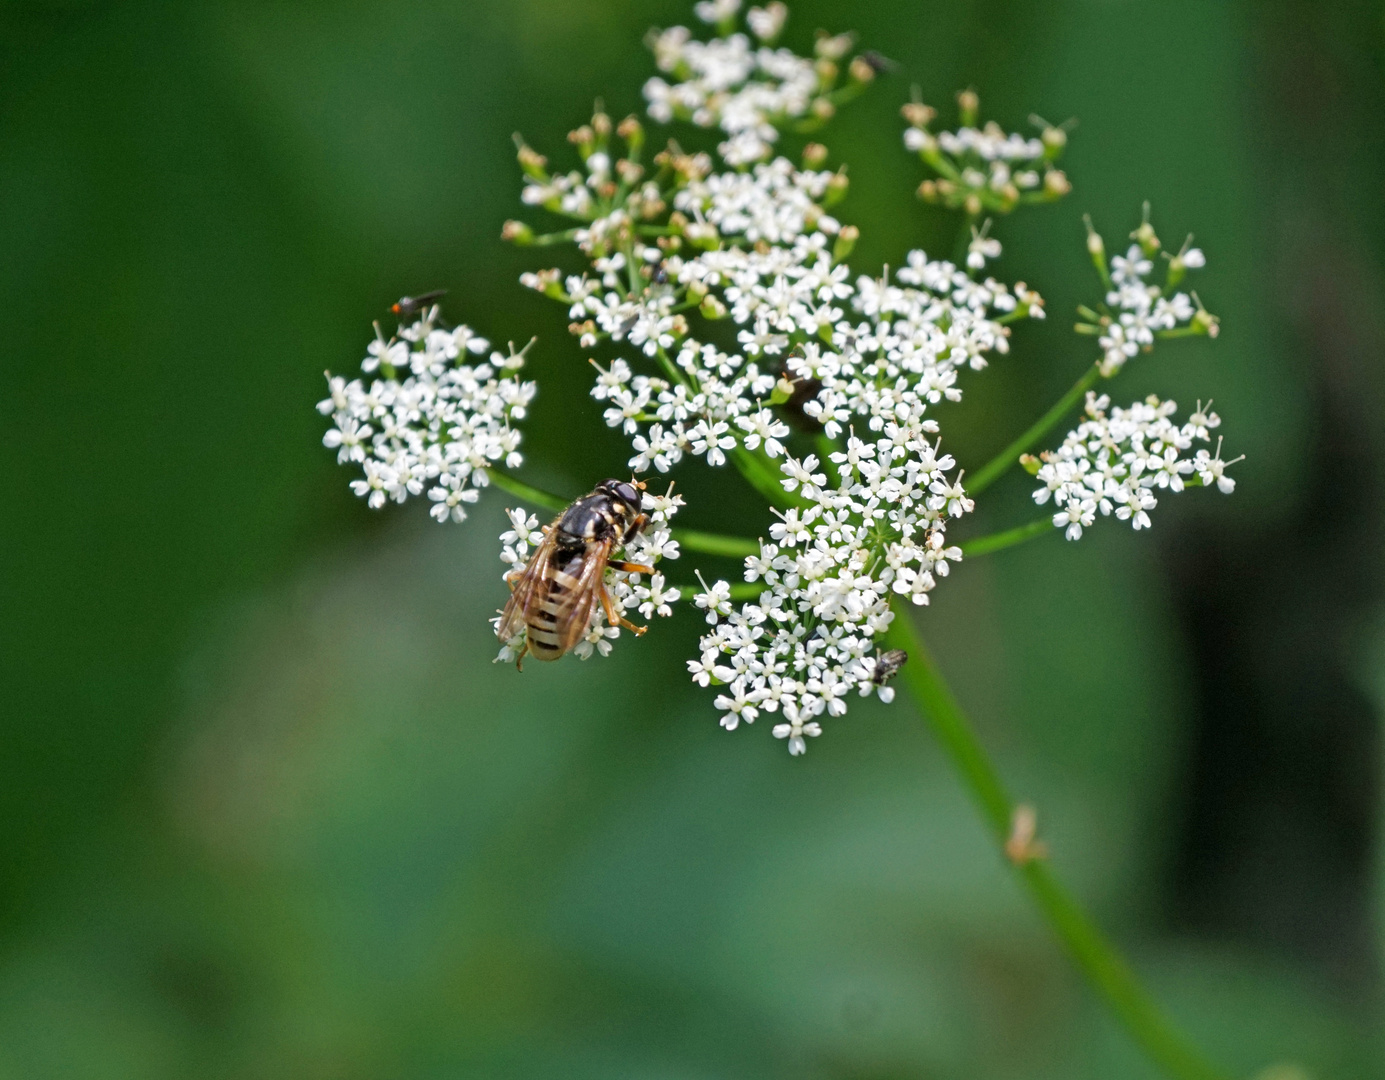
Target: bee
<point>554,597</point>
<point>412,305</point>
<point>887,665</point>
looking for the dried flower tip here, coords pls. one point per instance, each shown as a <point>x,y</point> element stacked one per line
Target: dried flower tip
<point>917,114</point>
<point>601,124</point>
<point>814,154</point>
<point>530,160</point>
<point>1056,183</point>
<point>517,232</point>
<point>833,47</point>
<point>1145,235</point>
<point>968,105</point>
<point>861,70</point>
<point>1022,847</point>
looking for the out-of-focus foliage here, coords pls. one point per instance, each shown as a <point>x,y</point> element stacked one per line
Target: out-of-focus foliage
<point>268,810</point>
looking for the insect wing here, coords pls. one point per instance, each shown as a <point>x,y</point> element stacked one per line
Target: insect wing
<point>578,602</point>
<point>531,583</point>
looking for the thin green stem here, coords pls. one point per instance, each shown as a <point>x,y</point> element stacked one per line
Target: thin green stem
<point>531,495</point>
<point>984,545</point>
<point>762,478</point>
<point>732,547</point>
<point>1094,954</point>
<point>996,467</point>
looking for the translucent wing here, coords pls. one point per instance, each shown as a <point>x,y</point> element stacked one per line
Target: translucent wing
<point>531,584</point>
<point>580,587</point>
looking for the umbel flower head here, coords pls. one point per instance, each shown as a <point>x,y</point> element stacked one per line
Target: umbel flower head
<point>734,333</point>
<point>426,421</point>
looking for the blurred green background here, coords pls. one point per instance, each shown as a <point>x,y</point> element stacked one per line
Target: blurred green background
<point>266,808</point>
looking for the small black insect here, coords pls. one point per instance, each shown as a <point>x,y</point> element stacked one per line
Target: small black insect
<point>879,64</point>
<point>412,305</point>
<point>887,665</point>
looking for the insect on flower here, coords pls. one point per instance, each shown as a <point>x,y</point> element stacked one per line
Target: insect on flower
<point>412,305</point>
<point>887,665</point>
<point>554,597</point>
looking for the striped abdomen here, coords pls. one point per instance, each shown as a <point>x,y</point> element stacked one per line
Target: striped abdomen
<point>555,604</point>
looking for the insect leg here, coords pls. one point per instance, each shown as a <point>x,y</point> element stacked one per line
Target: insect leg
<point>630,567</point>
<point>615,619</point>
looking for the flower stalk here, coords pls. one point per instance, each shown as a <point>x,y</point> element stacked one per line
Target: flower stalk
<point>1088,947</point>
<point>994,469</point>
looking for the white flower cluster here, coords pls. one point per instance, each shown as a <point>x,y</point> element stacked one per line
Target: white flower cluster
<point>902,355</point>
<point>1141,310</point>
<point>747,238</point>
<point>1115,461</point>
<point>629,591</point>
<point>746,90</point>
<point>828,571</point>
<point>439,428</point>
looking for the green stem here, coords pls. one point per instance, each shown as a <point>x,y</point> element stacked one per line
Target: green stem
<point>984,545</point>
<point>1094,954</point>
<point>732,547</point>
<point>531,495</point>
<point>762,478</point>
<point>996,467</point>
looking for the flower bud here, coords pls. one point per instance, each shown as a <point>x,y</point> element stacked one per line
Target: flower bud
<point>1030,464</point>
<point>712,308</point>
<point>1204,322</point>
<point>1054,139</point>
<point>836,188</point>
<point>846,240</point>
<point>697,291</point>
<point>601,124</point>
<point>629,171</point>
<point>703,235</point>
<point>632,132</point>
<point>814,154</point>
<point>517,232</point>
<point>832,48</point>
<point>860,70</point>
<point>823,109</point>
<point>1096,248</point>
<point>1056,183</point>
<point>969,105</point>
<point>531,161</point>
<point>827,71</point>
<point>928,191</point>
<point>973,205</point>
<point>917,114</point>
<point>1145,237</point>
<point>783,391</point>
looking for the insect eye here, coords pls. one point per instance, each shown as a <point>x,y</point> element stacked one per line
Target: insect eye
<point>628,494</point>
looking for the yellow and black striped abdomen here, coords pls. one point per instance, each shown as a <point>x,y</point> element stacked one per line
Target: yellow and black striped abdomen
<point>557,602</point>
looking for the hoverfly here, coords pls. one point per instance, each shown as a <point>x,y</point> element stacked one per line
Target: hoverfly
<point>412,305</point>
<point>554,597</point>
